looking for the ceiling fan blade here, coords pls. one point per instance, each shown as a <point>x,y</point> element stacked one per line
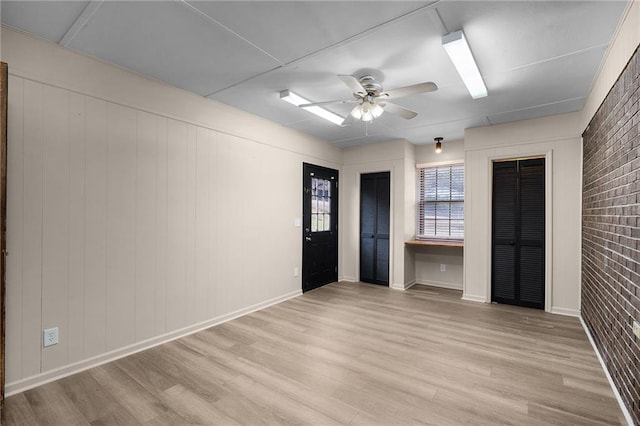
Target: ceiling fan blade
<point>341,101</point>
<point>398,110</point>
<point>409,90</point>
<point>353,84</point>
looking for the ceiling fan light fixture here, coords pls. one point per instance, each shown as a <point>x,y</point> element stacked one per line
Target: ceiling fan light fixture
<point>376,110</point>
<point>367,111</point>
<point>456,46</point>
<point>297,100</point>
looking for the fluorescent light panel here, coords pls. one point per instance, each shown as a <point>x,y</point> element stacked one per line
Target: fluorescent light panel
<point>297,100</point>
<point>458,50</point>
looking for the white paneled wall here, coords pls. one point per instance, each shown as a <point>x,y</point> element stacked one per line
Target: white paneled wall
<point>128,227</point>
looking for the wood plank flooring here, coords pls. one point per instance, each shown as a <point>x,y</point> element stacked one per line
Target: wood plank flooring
<point>349,354</point>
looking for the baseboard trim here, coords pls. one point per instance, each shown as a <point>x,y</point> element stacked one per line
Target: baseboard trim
<point>474,298</point>
<point>625,411</point>
<point>348,279</point>
<point>565,311</point>
<point>402,287</point>
<point>410,284</point>
<point>77,367</point>
<point>450,286</point>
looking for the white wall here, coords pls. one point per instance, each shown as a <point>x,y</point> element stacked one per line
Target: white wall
<point>136,211</point>
<point>556,137</point>
<point>383,157</point>
<point>429,259</point>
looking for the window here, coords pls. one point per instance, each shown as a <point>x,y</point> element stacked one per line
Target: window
<point>441,202</point>
<point>320,205</point>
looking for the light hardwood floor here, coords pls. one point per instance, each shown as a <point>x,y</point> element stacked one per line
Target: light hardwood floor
<point>347,354</point>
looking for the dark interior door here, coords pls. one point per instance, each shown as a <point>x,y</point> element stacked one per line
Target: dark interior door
<point>320,226</point>
<point>518,232</point>
<point>374,227</point>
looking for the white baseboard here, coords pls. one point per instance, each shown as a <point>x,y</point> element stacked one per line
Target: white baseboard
<point>625,411</point>
<point>67,370</point>
<point>474,298</point>
<point>402,287</point>
<point>565,311</point>
<point>440,284</point>
<point>348,279</point>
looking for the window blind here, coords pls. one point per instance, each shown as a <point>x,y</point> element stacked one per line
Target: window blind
<point>441,202</point>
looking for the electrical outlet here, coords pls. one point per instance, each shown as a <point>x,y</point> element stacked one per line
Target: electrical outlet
<point>443,267</point>
<point>295,272</point>
<point>636,329</point>
<point>50,336</point>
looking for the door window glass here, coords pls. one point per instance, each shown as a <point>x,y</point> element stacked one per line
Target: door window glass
<point>320,205</point>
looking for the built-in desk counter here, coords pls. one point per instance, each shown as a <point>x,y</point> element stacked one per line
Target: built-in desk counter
<point>434,243</point>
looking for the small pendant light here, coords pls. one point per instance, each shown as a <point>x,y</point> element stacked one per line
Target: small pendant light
<point>438,145</point>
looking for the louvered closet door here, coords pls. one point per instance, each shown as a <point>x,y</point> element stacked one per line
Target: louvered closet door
<point>374,227</point>
<point>518,232</point>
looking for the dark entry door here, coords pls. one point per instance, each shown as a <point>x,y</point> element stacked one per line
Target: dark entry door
<point>320,226</point>
<point>518,233</point>
<point>374,227</point>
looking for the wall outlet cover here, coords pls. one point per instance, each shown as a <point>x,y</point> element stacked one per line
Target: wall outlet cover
<point>50,336</point>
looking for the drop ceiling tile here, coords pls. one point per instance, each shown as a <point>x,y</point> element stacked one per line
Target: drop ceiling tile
<point>170,42</point>
<point>289,30</point>
<point>543,83</point>
<point>509,34</point>
<point>47,19</point>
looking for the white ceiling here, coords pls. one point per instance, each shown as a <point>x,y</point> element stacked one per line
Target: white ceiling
<point>537,57</point>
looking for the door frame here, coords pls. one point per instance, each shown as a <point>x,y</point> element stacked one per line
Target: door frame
<point>548,221</point>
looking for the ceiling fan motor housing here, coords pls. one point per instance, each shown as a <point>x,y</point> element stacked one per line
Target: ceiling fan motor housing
<point>372,87</point>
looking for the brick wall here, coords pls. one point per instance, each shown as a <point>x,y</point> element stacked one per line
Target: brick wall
<point>611,232</point>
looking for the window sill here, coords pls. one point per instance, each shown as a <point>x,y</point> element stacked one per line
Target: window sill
<point>435,243</point>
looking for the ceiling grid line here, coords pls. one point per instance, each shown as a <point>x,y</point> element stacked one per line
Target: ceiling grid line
<point>557,57</point>
<point>83,19</point>
<point>533,107</point>
<point>206,17</point>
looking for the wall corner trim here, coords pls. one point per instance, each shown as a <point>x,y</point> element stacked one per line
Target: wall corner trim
<point>625,411</point>
<point>67,370</point>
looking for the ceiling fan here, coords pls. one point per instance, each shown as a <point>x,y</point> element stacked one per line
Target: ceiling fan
<point>371,100</point>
